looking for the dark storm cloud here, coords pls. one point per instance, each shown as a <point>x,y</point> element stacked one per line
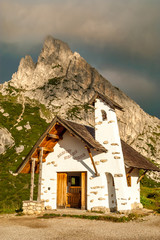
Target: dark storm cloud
<point>131,25</point>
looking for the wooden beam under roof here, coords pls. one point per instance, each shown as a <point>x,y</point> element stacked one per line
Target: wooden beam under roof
<point>129,172</point>
<point>40,174</point>
<point>140,178</point>
<point>27,168</point>
<point>55,129</point>
<point>47,149</point>
<point>92,160</point>
<point>36,159</point>
<point>32,180</point>
<point>54,136</point>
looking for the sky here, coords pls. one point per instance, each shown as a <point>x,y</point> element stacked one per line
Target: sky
<point>120,38</point>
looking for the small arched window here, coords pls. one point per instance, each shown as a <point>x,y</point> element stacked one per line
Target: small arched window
<point>104,115</point>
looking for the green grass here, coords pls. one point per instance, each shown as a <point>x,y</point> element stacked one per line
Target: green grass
<point>87,108</point>
<point>150,193</point>
<point>51,215</point>
<point>128,218</point>
<point>15,189</point>
<point>74,111</point>
<point>12,89</point>
<point>152,148</point>
<point>148,182</point>
<point>150,198</point>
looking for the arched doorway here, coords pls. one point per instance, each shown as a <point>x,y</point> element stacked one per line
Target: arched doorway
<point>112,202</point>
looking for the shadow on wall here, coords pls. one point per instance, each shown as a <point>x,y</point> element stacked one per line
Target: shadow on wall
<point>112,202</point>
<point>77,154</point>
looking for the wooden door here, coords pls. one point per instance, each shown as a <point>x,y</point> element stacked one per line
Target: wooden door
<point>61,190</point>
<point>74,197</point>
<point>83,190</point>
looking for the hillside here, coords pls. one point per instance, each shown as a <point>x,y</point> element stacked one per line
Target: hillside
<point>61,82</point>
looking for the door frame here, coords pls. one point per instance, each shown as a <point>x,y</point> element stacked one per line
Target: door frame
<point>61,190</point>
<point>83,189</point>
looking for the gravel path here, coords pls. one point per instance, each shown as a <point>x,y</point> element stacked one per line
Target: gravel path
<point>28,228</point>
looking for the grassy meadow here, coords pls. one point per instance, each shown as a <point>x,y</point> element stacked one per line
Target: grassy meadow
<point>15,189</point>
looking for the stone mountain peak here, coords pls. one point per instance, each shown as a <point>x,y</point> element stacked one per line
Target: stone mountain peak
<point>54,53</point>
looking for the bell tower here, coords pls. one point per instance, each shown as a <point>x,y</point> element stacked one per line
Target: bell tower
<point>107,134</point>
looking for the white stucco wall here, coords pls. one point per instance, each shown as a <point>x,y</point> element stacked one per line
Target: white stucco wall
<point>107,134</point>
<point>70,155</point>
<point>134,190</point>
<point>108,190</point>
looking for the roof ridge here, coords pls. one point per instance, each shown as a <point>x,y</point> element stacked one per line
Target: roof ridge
<point>106,99</point>
<point>79,134</point>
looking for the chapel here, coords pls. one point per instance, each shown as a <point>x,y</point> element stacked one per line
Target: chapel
<point>86,167</point>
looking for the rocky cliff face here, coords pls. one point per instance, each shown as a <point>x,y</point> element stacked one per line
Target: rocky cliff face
<point>6,140</point>
<point>53,55</point>
<point>64,82</point>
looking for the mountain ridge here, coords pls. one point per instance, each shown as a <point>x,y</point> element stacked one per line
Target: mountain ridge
<point>62,82</point>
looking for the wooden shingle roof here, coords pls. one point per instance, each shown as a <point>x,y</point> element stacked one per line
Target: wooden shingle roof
<point>86,134</point>
<point>134,159</point>
<point>83,133</point>
<point>58,126</point>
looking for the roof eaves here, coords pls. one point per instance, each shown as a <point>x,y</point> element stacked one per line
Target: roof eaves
<point>146,164</point>
<point>65,125</point>
<point>19,169</point>
<point>72,130</point>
